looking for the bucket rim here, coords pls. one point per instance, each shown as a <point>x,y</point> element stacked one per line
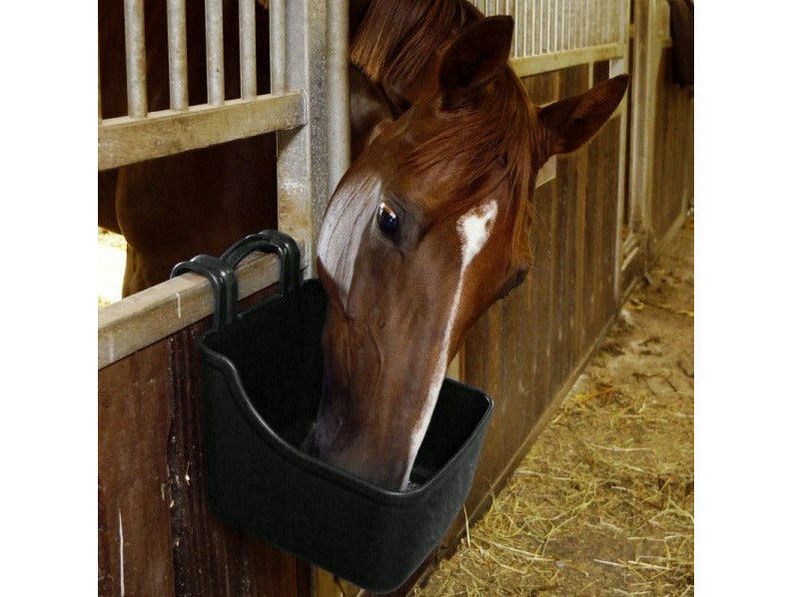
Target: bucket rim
<point>330,473</point>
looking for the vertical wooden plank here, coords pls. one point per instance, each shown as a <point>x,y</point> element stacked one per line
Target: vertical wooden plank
<point>134,530</point>
<point>573,81</point>
<point>611,152</point>
<point>593,239</point>
<point>546,203</point>
<point>581,249</point>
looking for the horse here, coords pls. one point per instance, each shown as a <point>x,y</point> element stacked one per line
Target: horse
<point>428,228</point>
<point>200,201</point>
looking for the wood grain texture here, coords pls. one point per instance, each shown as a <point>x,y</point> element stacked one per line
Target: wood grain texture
<point>161,310</point>
<point>134,536</point>
<point>672,179</point>
<point>151,478</point>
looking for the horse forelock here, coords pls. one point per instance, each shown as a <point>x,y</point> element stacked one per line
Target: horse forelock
<point>396,37</point>
<point>491,143</point>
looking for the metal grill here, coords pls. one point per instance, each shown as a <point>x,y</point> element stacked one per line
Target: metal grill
<point>308,104</point>
<point>554,34</point>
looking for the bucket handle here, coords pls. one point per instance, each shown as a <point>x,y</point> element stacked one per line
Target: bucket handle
<point>221,271</point>
<point>270,241</point>
<point>223,280</point>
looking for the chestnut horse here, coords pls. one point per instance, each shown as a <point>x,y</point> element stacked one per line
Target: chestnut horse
<point>427,229</point>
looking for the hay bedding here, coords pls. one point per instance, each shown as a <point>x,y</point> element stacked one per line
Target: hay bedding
<point>111,257</point>
<point>603,503</point>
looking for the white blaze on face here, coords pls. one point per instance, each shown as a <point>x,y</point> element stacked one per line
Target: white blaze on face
<point>341,234</point>
<point>474,228</point>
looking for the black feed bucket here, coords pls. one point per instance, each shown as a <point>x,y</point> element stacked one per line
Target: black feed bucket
<point>261,376</point>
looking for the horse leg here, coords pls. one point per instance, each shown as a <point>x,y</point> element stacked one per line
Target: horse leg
<point>142,271</point>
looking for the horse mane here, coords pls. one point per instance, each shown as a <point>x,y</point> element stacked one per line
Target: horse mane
<point>395,38</point>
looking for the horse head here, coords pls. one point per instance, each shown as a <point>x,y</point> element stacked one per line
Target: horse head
<point>426,230</point>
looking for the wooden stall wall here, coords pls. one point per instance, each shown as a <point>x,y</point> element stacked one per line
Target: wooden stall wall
<point>673,163</point>
<point>156,535</point>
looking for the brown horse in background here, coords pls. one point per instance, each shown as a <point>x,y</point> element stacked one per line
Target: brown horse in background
<point>428,228</point>
<point>201,201</point>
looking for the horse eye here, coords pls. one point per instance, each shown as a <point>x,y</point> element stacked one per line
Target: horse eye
<point>387,219</point>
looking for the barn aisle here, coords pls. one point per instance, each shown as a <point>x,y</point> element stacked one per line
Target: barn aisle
<point>603,503</point>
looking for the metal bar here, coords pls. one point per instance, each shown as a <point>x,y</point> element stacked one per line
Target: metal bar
<point>570,16</point>
<point>214,40</point>
<point>587,25</point>
<point>556,25</point>
<point>277,47</point>
<point>339,137</point>
<point>549,21</point>
<point>534,65</point>
<point>248,49</point>
<point>178,55</point>
<point>128,140</point>
<point>303,155</point>
<point>510,10</point>
<point>136,58</point>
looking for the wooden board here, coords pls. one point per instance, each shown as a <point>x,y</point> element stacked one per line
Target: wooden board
<point>672,180</point>
<point>155,531</point>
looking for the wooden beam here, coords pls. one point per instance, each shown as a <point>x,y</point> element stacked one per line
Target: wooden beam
<point>534,65</point>
<point>547,172</point>
<point>157,312</point>
<point>128,140</point>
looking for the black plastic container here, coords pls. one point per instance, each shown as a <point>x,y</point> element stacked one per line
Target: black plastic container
<point>261,376</point>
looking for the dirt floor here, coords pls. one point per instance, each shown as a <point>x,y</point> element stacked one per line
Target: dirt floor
<point>603,503</point>
<point>111,255</point>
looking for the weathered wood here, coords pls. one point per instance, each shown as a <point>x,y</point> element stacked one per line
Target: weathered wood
<point>535,65</point>
<point>134,418</point>
<point>126,140</point>
<point>155,313</point>
<point>671,184</point>
<point>547,172</point>
<point>151,479</point>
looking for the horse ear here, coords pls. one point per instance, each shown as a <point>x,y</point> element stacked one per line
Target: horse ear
<point>474,58</point>
<point>571,122</point>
